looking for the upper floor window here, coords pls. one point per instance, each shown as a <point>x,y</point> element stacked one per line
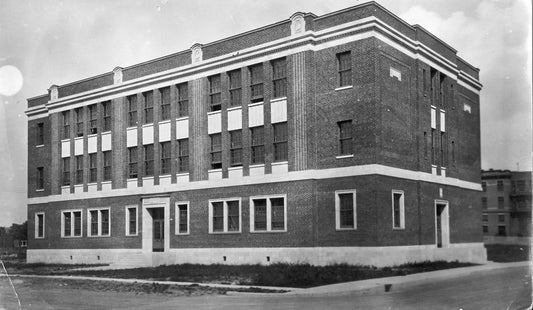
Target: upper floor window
<point>132,162</point>
<point>345,138</point>
<point>501,217</point>
<point>183,155</point>
<point>225,216</point>
<point>149,160</point>
<point>106,107</point>
<point>215,99</point>
<point>165,157</point>
<point>485,217</point>
<point>256,82</point>
<point>66,125</point>
<point>268,214</point>
<point>40,178</point>
<point>236,148</point>
<point>40,134</point>
<point>132,111</point>
<point>148,107</point>
<point>107,165</point>
<point>484,202</point>
<point>344,62</point>
<point>235,81</point>
<point>93,119</point>
<point>98,222</point>
<point>279,77</point>
<point>182,218</point>
<point>39,225</point>
<point>521,185</point>
<point>71,223</point>
<point>79,169</point>
<point>345,210</point>
<point>216,151</point>
<point>280,141</point>
<point>500,185</point>
<point>92,168</point>
<point>398,210</point>
<point>165,104</point>
<point>183,99</point>
<point>501,202</point>
<point>258,145</point>
<point>66,171</point>
<point>79,122</point>
<point>484,186</point>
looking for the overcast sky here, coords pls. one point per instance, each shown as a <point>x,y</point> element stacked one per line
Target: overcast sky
<point>56,42</point>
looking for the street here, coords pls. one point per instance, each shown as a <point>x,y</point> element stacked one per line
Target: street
<point>508,288</point>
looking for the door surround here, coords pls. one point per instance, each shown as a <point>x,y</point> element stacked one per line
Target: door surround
<point>147,222</point>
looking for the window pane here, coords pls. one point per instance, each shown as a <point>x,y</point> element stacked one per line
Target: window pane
<point>67,223</point>
<point>132,217</point>
<point>278,213</point>
<point>105,222</point>
<point>260,218</point>
<point>182,219</point>
<point>233,215</point>
<point>218,216</point>
<point>77,223</point>
<point>346,210</point>
<point>94,222</point>
<point>396,210</point>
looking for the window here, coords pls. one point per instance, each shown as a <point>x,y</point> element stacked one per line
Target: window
<point>236,148</point>
<point>165,157</point>
<point>281,152</point>
<point>183,155</point>
<point>500,202</point>
<point>39,225</point>
<point>501,217</point>
<point>485,217</point>
<point>66,124</point>
<point>256,82</point>
<point>183,100</point>
<point>132,162</point>
<point>66,171</point>
<point>131,221</point>
<point>79,169</point>
<point>345,138</point>
<point>344,62</point>
<point>235,82</point>
<point>500,186</point>
<point>398,210</point>
<point>279,78</point>
<point>216,151</point>
<point>484,202</point>
<point>79,122</point>
<point>215,98</point>
<point>484,186</point>
<point>93,120</point>
<point>345,210</point>
<point>149,160</point>
<point>485,228</point>
<point>98,223</point>
<point>148,107</point>
<point>107,165</point>
<point>40,178</point>
<point>165,104</point>
<point>268,214</point>
<point>182,218</point>
<point>521,185</point>
<point>92,168</point>
<point>258,145</point>
<point>132,111</point>
<point>106,107</point>
<point>71,223</point>
<point>40,134</point>
<point>501,230</point>
<point>433,143</point>
<point>225,216</point>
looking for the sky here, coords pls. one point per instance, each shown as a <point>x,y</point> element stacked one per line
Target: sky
<point>57,42</point>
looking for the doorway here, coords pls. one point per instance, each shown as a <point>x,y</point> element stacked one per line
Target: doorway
<point>158,226</point>
<point>155,224</point>
<point>442,226</point>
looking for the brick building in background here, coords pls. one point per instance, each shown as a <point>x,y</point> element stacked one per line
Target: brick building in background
<point>349,137</point>
<point>506,204</point>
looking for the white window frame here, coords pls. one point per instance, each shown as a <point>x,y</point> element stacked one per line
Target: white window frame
<point>71,223</point>
<point>268,214</point>
<point>402,209</point>
<point>338,206</point>
<point>225,216</point>
<point>127,217</point>
<point>37,225</point>
<point>433,117</point>
<point>89,217</point>
<point>177,222</point>
<point>442,120</point>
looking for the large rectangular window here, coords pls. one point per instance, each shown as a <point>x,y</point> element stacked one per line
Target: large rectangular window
<point>344,62</point>
<point>98,222</point>
<point>484,202</point>
<point>40,134</point>
<point>281,152</point>
<point>39,225</point>
<point>499,185</point>
<point>93,119</point>
<point>258,145</point>
<point>345,209</point>
<point>40,178</point>
<point>501,202</point>
<point>71,223</point>
<point>65,164</point>
<point>183,155</point>
<point>398,210</point>
<point>165,157</point>
<point>236,148</point>
<point>268,214</point>
<point>79,169</point>
<point>132,111</point>
<point>132,162</point>
<point>345,138</point>
<point>183,100</point>
<point>256,82</point>
<point>501,217</point>
<point>131,220</point>
<point>165,104</point>
<point>215,98</point>
<point>148,107</point>
<point>225,216</point>
<point>149,160</point>
<point>235,84</point>
<point>106,107</point>
<point>182,218</point>
<point>79,122</point>
<point>107,165</point>
<point>92,168</point>
<point>279,77</point>
<point>65,115</point>
<point>216,151</point>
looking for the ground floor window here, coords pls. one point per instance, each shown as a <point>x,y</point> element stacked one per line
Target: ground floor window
<point>268,213</point>
<point>39,225</point>
<point>98,222</point>
<point>71,223</point>
<point>501,230</point>
<point>345,209</point>
<point>225,216</point>
<point>398,210</point>
<point>131,221</point>
<point>182,218</point>
<point>485,228</point>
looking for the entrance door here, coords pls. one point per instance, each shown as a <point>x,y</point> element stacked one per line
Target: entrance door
<point>158,226</point>
<point>442,231</point>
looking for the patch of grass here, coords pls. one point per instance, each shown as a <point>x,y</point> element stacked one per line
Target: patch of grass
<point>42,268</point>
<point>505,253</point>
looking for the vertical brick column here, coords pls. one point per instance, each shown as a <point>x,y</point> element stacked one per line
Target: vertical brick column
<point>85,148</point>
<point>246,137</point>
<point>198,130</point>
<point>157,155</point>
<point>297,124</point>
<point>140,148</point>
<point>224,85</point>
<point>72,157</point>
<point>268,130</point>
<point>173,142</point>
<point>119,152</point>
<point>55,164</point>
<point>99,154</point>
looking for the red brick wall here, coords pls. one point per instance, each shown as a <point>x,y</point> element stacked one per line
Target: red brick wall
<point>39,157</point>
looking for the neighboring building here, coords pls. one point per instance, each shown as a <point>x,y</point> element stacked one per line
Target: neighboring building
<point>506,203</point>
<point>349,137</point>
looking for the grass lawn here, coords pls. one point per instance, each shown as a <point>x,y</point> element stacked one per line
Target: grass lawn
<point>505,253</point>
<point>281,275</point>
